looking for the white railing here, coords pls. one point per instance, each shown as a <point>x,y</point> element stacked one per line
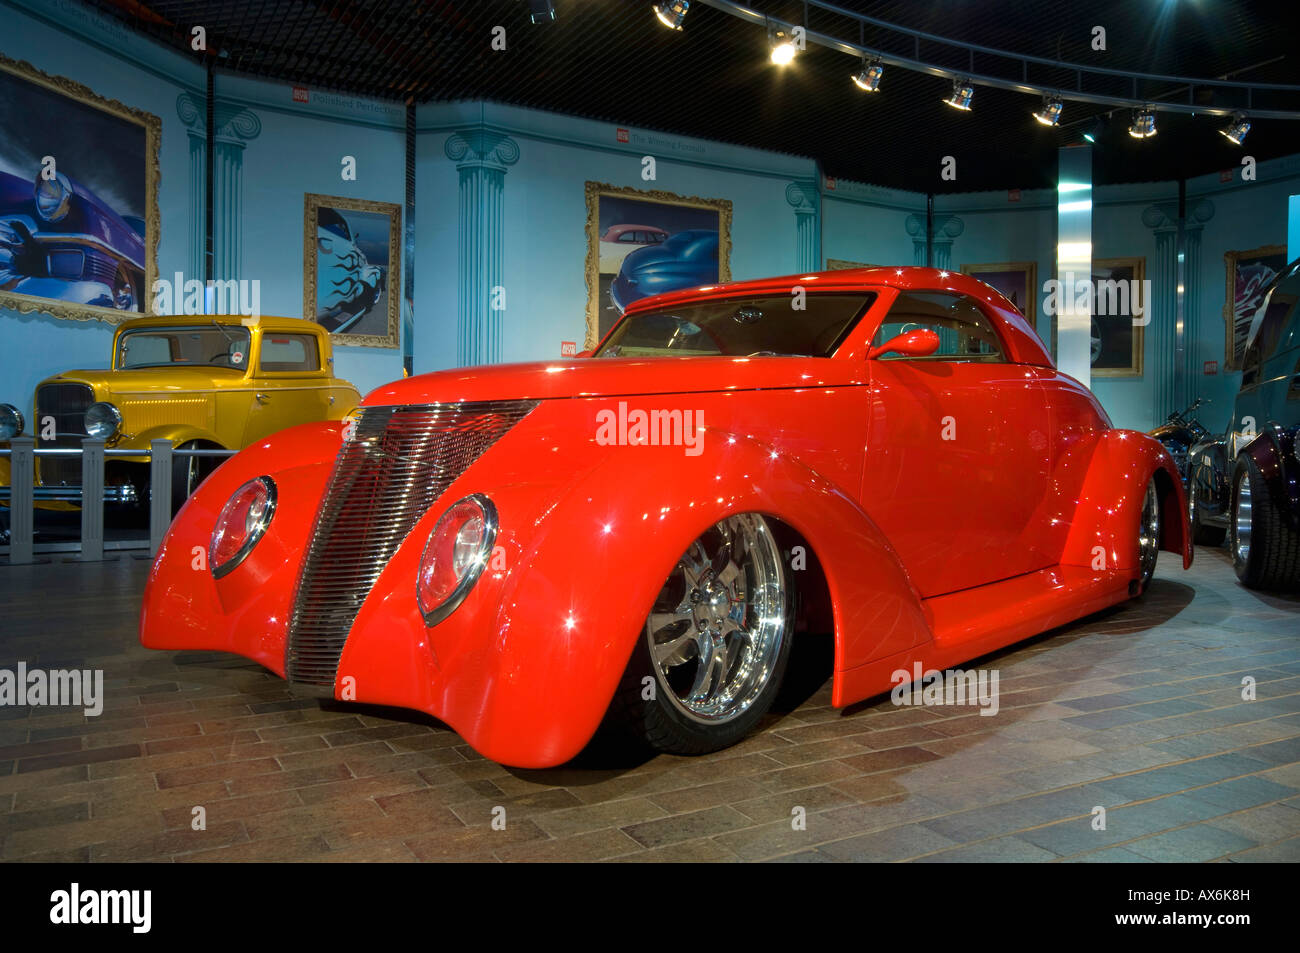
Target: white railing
<point>22,453</point>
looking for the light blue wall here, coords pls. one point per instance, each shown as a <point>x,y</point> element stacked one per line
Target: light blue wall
<point>64,39</point>
<point>545,214</point>
<point>300,149</point>
<point>868,223</point>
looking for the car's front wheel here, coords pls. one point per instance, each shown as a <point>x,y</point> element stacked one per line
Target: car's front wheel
<point>1265,550</point>
<point>715,645</point>
<point>1148,536</point>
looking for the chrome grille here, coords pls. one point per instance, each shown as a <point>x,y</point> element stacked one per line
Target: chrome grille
<point>67,404</point>
<point>398,463</point>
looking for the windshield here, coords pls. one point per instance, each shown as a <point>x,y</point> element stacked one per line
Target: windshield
<point>211,346</point>
<point>741,327</point>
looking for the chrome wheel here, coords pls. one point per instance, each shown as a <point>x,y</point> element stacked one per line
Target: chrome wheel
<point>1241,521</point>
<point>719,623</point>
<point>1149,534</point>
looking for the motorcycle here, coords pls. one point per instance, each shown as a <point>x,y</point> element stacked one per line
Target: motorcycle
<point>1180,434</point>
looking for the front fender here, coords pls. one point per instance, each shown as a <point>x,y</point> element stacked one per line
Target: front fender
<point>1103,534</point>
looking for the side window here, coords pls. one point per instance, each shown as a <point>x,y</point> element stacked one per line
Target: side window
<point>1276,312</point>
<point>289,352</point>
<point>965,333</point>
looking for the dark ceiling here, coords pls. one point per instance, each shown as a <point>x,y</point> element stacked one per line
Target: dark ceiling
<point>611,60</point>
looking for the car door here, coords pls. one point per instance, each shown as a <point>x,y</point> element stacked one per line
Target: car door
<point>957,455</point>
<point>289,385</point>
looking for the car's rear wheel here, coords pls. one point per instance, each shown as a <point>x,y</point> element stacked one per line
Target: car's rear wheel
<point>715,645</point>
<point>1265,550</point>
<point>1148,536</point>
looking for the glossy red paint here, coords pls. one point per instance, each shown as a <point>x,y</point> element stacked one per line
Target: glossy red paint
<point>939,539</point>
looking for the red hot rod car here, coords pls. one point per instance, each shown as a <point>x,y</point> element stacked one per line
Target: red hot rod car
<point>525,550</point>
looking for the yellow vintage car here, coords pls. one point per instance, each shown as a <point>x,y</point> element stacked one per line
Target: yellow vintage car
<point>200,381</point>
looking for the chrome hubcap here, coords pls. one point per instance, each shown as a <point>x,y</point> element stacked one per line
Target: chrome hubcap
<point>719,622</point>
<point>1241,522</point>
<point>1149,533</point>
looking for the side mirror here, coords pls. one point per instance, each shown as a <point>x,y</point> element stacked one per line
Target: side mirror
<point>919,342</point>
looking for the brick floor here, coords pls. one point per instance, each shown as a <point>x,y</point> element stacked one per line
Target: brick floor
<point>1137,710</point>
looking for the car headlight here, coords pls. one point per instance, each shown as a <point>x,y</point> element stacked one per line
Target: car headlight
<point>11,421</point>
<point>457,552</point>
<point>53,196</point>
<point>243,521</point>
<point>103,420</point>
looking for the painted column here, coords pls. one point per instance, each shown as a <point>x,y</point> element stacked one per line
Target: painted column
<point>1175,273</point>
<point>235,127</point>
<point>915,226</point>
<point>803,198</point>
<point>1198,213</point>
<point>1162,310</point>
<point>946,228</point>
<point>481,158</point>
<point>193,112</point>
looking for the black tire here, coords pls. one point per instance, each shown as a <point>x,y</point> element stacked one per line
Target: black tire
<point>1269,556</point>
<point>1202,534</point>
<point>188,472</point>
<point>1149,536</point>
<point>646,706</point>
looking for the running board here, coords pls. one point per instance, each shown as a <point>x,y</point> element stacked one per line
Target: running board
<point>975,622</point>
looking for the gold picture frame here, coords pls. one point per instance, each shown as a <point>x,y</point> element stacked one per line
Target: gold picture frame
<point>392,279</point>
<point>151,126</point>
<point>996,279</point>
<point>1137,267</point>
<point>1237,325</point>
<point>595,191</point>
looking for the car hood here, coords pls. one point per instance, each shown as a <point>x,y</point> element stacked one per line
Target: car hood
<point>162,379</point>
<point>612,377</point>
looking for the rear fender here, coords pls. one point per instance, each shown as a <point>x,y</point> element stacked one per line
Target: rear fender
<point>1274,453</point>
<point>1103,534</point>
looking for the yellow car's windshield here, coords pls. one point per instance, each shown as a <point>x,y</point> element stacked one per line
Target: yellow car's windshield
<point>212,346</point>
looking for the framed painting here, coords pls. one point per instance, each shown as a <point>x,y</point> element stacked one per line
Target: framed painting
<point>1247,274</point>
<point>352,268</point>
<point>1118,295</point>
<point>641,243</point>
<point>79,216</point>
<point>1016,280</point>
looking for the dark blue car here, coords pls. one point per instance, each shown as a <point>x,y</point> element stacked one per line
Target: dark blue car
<point>684,260</point>
<point>59,240</point>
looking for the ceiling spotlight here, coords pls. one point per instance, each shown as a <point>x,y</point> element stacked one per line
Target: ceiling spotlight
<point>541,11</point>
<point>1092,131</point>
<point>1049,114</point>
<point>783,48</point>
<point>1143,125</point>
<point>868,80</point>
<point>962,93</point>
<point>671,13</point>
<point>1235,131</point>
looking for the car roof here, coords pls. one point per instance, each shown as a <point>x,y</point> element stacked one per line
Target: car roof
<point>1025,345</point>
<point>266,322</point>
